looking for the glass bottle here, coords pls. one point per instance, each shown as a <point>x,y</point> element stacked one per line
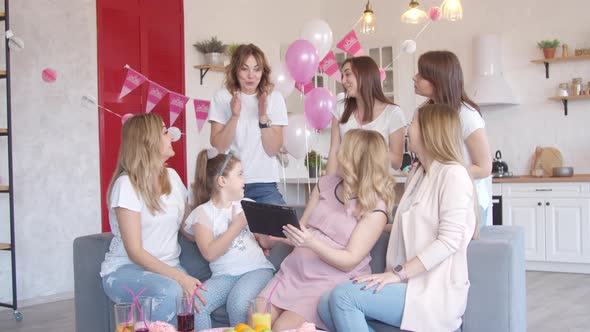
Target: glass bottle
<point>576,86</point>
<point>562,91</point>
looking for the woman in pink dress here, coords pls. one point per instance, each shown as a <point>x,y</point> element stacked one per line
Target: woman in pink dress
<point>343,220</point>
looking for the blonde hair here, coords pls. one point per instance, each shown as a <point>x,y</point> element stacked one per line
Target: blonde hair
<point>441,134</point>
<point>364,161</point>
<point>206,173</point>
<point>238,59</point>
<point>140,159</point>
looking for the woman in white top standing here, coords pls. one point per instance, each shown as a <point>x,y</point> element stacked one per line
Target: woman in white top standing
<point>248,117</point>
<point>366,107</point>
<point>440,79</point>
<point>146,203</point>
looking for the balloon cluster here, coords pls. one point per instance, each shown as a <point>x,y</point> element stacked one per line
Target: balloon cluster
<point>299,67</point>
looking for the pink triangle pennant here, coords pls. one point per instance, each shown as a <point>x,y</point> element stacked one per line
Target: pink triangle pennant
<point>177,103</point>
<point>305,88</point>
<point>350,44</point>
<point>329,66</point>
<point>155,94</point>
<point>133,79</point>
<point>201,111</point>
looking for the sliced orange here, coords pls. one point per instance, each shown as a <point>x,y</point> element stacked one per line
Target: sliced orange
<point>260,328</point>
<point>242,327</point>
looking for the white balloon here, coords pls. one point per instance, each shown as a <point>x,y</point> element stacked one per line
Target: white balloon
<point>295,136</point>
<point>281,78</point>
<point>408,46</point>
<point>175,132</point>
<point>318,32</point>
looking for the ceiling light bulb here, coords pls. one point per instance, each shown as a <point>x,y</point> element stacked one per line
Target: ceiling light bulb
<point>414,15</point>
<point>452,10</point>
<point>368,20</point>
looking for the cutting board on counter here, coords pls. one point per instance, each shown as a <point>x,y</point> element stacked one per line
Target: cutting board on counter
<point>547,158</point>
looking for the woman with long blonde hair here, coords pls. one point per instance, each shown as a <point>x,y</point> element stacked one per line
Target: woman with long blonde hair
<point>248,116</point>
<point>146,202</point>
<point>426,282</point>
<point>342,222</point>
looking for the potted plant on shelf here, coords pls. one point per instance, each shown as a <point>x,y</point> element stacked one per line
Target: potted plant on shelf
<point>231,48</point>
<point>315,164</point>
<point>548,47</point>
<point>213,49</point>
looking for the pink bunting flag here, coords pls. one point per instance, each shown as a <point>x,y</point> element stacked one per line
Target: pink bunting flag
<point>305,88</point>
<point>177,102</point>
<point>155,94</point>
<point>329,65</point>
<point>350,44</point>
<point>201,111</point>
<point>133,79</point>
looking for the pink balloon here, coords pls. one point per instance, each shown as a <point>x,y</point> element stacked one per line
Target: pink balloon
<point>435,13</point>
<point>319,104</point>
<point>126,117</point>
<point>49,75</point>
<point>302,60</point>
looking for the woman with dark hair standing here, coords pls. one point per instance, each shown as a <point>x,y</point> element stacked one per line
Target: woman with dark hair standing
<point>366,107</point>
<point>248,117</point>
<point>440,79</point>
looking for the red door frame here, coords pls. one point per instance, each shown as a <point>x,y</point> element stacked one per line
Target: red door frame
<point>148,35</point>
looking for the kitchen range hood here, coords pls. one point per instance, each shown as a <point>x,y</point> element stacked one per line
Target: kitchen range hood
<point>489,87</point>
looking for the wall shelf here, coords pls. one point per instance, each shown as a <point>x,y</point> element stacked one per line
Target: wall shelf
<point>5,246</point>
<point>564,100</point>
<point>204,69</point>
<point>560,59</point>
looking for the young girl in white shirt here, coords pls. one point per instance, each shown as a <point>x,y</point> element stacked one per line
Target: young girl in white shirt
<point>239,268</point>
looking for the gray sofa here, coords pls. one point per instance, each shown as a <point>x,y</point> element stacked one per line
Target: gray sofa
<point>497,297</point>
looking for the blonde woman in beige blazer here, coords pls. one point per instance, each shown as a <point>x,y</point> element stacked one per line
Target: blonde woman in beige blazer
<point>426,284</point>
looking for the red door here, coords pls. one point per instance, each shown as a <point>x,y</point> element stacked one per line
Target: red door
<point>148,35</point>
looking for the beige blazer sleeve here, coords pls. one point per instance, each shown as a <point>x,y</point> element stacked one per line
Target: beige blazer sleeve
<point>454,199</point>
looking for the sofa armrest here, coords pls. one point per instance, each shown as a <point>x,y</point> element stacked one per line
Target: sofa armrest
<point>497,296</point>
<point>93,307</point>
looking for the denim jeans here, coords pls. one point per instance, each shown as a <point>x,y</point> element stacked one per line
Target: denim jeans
<point>235,292</point>
<point>162,289</point>
<point>347,307</point>
<point>264,193</point>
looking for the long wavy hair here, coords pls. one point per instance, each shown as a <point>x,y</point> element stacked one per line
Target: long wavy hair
<point>443,70</point>
<point>364,163</point>
<point>206,173</point>
<point>368,80</point>
<point>238,59</point>
<point>140,159</point>
<point>441,134</point>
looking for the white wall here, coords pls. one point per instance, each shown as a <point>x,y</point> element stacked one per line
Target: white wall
<point>56,158</point>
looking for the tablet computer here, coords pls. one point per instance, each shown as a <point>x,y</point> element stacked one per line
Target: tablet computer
<point>269,219</point>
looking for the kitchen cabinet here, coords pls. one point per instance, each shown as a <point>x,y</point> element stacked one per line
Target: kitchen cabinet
<point>556,220</point>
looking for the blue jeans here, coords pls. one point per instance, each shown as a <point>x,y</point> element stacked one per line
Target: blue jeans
<point>162,289</point>
<point>347,307</point>
<point>264,193</point>
<point>235,292</point>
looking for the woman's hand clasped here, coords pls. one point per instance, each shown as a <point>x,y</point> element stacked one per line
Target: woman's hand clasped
<point>236,104</point>
<point>379,279</point>
<point>299,237</point>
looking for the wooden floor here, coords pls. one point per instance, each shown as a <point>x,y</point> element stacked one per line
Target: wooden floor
<point>556,302</point>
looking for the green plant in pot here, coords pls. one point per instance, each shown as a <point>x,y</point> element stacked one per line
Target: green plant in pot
<point>548,47</point>
<point>231,48</point>
<point>213,49</point>
<point>315,163</point>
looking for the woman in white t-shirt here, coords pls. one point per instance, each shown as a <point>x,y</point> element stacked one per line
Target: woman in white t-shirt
<point>247,116</point>
<point>146,203</point>
<point>366,107</point>
<point>219,227</point>
<point>440,79</point>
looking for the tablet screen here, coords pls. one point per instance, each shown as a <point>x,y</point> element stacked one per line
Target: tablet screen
<point>269,219</point>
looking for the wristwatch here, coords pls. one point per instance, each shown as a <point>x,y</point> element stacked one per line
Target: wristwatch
<point>264,125</point>
<point>401,272</point>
